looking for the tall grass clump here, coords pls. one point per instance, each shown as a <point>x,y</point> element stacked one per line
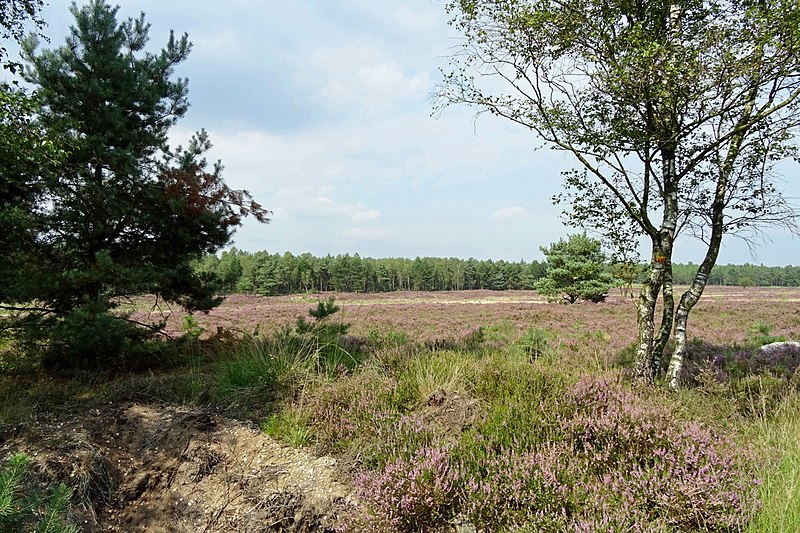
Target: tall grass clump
<point>257,370</point>
<point>779,437</point>
<point>260,370</point>
<point>438,372</point>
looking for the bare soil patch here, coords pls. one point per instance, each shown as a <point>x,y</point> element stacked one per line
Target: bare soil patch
<point>141,467</point>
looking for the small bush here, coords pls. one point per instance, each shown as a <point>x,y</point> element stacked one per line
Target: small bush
<point>379,340</point>
<point>761,333</point>
<point>327,341</point>
<point>535,343</point>
<point>92,338</point>
<point>517,486</point>
<point>684,475</point>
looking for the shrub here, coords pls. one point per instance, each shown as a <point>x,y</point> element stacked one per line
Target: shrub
<point>508,486</point>
<point>730,364</point>
<point>684,475</point>
<point>535,342</point>
<point>761,333</point>
<point>86,338</point>
<point>332,350</point>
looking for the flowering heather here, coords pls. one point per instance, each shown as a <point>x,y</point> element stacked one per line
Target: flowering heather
<point>518,486</point>
<point>356,407</point>
<point>547,450</point>
<point>609,462</point>
<point>673,472</point>
<point>736,362</point>
<point>416,493</point>
<point>781,361</point>
<point>723,315</point>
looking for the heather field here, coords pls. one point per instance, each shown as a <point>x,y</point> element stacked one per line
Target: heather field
<point>724,315</point>
<point>473,411</point>
<point>499,411</point>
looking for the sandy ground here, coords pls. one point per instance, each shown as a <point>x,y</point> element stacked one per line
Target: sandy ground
<point>142,467</point>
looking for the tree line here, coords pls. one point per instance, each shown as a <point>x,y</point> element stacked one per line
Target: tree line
<point>267,273</point>
<point>273,274</point>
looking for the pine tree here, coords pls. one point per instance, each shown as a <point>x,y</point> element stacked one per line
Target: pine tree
<point>124,215</point>
<point>575,271</point>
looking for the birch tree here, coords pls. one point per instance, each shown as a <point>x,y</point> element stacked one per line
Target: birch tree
<point>676,112</point>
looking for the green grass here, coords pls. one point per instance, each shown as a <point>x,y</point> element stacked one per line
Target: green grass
<point>290,427</point>
<point>779,435</point>
<point>440,372</point>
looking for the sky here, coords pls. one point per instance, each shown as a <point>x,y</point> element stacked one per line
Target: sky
<point>323,111</point>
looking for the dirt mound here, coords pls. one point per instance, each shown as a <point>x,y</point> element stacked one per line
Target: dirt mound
<point>140,467</point>
<point>448,414</point>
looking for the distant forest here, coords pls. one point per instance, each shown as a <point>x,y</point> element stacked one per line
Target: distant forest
<point>275,274</point>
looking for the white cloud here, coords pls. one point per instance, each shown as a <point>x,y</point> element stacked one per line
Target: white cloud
<point>362,234</point>
<point>308,200</point>
<point>362,76</point>
<point>417,20</point>
<point>414,149</point>
<point>508,214</point>
<point>365,215</point>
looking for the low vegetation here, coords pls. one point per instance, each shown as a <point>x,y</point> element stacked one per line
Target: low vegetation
<point>501,426</point>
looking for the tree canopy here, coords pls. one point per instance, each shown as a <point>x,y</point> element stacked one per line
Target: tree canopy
<point>676,112</point>
<point>121,213</point>
<point>15,17</point>
<point>273,274</point>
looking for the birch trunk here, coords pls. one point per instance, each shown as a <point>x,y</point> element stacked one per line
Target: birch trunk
<point>667,317</point>
<point>690,297</point>
<point>646,311</point>
<point>648,360</point>
<point>688,301</point>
